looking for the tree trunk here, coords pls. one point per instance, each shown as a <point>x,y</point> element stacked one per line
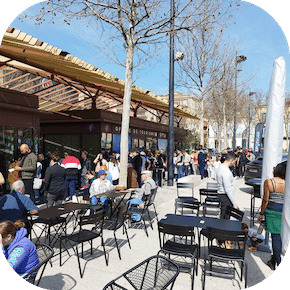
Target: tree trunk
<point>126,117</point>
<point>225,127</point>
<point>201,123</point>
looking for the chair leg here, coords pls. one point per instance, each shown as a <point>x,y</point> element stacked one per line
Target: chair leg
<point>125,229</point>
<point>105,254</point>
<point>79,261</point>
<point>246,274</point>
<point>117,245</point>
<point>145,227</point>
<point>150,219</point>
<point>155,212</point>
<point>204,274</point>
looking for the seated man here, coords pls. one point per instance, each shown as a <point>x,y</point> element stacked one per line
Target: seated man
<point>147,186</point>
<point>15,205</point>
<point>100,185</point>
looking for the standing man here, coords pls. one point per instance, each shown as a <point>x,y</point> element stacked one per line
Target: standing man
<point>27,169</point>
<point>72,167</point>
<point>179,164</point>
<point>186,162</point>
<point>136,161</point>
<point>225,181</point>
<point>201,161</point>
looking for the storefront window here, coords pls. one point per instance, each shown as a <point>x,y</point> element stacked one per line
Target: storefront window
<point>10,140</point>
<point>106,141</point>
<point>141,143</point>
<point>135,144</point>
<point>151,144</point>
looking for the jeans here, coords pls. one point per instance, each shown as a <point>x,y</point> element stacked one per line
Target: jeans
<point>209,173</point>
<point>28,184</point>
<point>71,182</point>
<point>276,246</point>
<point>201,171</point>
<point>104,200</point>
<point>186,170</point>
<point>180,171</point>
<point>135,216</point>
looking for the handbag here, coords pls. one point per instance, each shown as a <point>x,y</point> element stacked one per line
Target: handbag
<point>37,182</point>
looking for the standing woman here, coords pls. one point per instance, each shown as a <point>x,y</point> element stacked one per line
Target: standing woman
<point>18,250</point>
<point>54,183</point>
<point>113,168</point>
<point>271,209</point>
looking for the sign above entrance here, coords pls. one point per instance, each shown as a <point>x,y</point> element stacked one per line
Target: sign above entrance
<point>143,132</point>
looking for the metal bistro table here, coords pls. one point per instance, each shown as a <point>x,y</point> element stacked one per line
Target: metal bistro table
<point>113,194</point>
<point>201,222</point>
<point>47,216</point>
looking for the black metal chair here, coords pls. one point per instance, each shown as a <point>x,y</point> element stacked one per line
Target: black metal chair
<point>148,201</point>
<point>185,202</point>
<point>179,241</point>
<point>185,207</point>
<point>85,235</point>
<point>208,199</point>
<point>44,253</point>
<point>235,213</point>
<point>119,222</point>
<point>216,253</point>
<point>156,272</point>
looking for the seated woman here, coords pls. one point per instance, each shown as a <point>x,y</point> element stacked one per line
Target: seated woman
<point>148,184</point>
<point>19,251</point>
<point>98,186</point>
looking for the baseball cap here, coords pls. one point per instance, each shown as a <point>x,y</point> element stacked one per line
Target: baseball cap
<point>101,172</point>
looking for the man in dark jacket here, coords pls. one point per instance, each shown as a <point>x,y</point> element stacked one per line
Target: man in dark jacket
<point>55,184</point>
<point>27,169</point>
<point>136,161</point>
<point>201,162</point>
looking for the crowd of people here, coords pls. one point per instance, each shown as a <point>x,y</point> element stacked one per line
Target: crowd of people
<point>31,175</point>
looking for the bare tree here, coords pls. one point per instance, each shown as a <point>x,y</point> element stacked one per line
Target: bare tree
<point>139,24</point>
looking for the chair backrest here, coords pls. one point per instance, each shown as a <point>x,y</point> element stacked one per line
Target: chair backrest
<point>189,185</point>
<point>184,206</point>
<point>206,192</point>
<point>44,253</point>
<point>156,272</point>
<point>96,218</point>
<point>226,235</point>
<point>235,213</point>
<point>211,185</point>
<point>149,199</point>
<point>167,231</point>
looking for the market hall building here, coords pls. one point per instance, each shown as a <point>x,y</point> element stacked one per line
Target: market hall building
<point>51,100</point>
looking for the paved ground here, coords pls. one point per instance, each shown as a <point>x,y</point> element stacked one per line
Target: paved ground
<point>97,274</point>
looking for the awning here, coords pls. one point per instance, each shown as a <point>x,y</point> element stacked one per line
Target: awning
<point>64,82</point>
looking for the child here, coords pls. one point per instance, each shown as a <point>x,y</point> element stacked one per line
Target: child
<point>255,238</point>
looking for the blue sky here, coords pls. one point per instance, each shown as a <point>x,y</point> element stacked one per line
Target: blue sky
<point>258,35</point>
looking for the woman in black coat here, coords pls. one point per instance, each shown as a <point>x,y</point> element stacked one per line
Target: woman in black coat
<point>54,183</point>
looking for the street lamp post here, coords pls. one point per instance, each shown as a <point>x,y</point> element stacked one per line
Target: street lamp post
<point>238,59</point>
<point>170,148</point>
<point>249,129</point>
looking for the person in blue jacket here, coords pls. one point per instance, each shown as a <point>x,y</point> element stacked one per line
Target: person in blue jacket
<point>201,162</point>
<point>19,251</point>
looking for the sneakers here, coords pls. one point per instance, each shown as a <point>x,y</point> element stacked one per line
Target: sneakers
<point>136,222</point>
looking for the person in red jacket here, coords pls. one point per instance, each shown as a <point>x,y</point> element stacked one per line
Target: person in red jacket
<point>72,168</point>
